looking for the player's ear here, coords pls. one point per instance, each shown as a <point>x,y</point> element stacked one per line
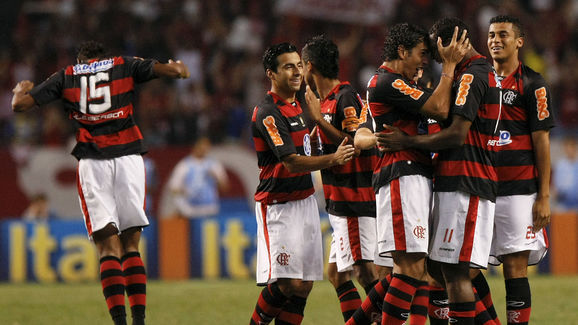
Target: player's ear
<point>270,74</point>
<point>519,42</point>
<point>402,52</point>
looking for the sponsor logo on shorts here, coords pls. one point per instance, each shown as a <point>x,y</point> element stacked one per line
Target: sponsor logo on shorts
<point>419,232</point>
<point>283,259</point>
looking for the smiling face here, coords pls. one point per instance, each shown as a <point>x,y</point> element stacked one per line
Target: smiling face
<point>503,42</point>
<point>286,81</point>
<point>414,60</point>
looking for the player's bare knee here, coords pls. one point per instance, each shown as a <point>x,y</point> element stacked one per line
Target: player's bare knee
<point>515,265</point>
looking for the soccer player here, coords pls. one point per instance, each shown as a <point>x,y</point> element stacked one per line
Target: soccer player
<point>349,197</point>
<point>289,248</point>
<point>402,180</point>
<point>465,185</point>
<point>98,94</point>
<point>523,166</point>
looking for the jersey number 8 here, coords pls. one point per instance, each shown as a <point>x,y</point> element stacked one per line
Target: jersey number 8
<point>89,88</point>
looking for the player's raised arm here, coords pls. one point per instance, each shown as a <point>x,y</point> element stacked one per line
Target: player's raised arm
<point>172,69</point>
<point>438,105</point>
<point>21,100</point>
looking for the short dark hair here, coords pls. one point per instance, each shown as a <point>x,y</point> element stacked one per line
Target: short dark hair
<point>516,24</point>
<point>406,35</point>
<point>91,50</point>
<point>323,54</point>
<point>444,28</point>
<point>270,57</point>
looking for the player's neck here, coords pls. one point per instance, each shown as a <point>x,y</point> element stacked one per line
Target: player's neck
<point>288,96</point>
<point>506,67</point>
<point>325,86</point>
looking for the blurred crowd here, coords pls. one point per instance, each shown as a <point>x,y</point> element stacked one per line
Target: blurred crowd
<point>222,42</point>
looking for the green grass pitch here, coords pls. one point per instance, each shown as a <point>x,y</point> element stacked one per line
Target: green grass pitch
<point>554,301</point>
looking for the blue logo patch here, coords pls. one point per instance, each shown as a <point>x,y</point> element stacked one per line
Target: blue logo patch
<point>504,138</point>
<point>307,144</point>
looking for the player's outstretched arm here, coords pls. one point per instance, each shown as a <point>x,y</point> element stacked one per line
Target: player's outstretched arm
<point>394,139</point>
<point>21,100</point>
<point>301,164</point>
<point>173,69</point>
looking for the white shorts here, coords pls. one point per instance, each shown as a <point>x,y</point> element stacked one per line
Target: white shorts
<point>513,229</point>
<point>354,240</point>
<point>462,228</point>
<point>289,241</point>
<point>112,191</point>
<point>403,210</point>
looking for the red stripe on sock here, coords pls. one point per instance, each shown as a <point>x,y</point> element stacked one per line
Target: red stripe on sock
<point>462,314</point>
<point>115,300</point>
<point>136,278</point>
<point>290,318</point>
<point>350,305</point>
<point>138,299</point>
<point>112,281</point>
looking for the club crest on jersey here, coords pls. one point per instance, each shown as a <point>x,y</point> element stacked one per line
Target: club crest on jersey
<point>509,97</point>
<point>307,144</point>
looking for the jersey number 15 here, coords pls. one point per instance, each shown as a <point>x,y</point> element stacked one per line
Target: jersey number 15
<point>88,90</point>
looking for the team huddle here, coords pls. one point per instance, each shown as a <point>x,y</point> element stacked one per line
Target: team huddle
<point>423,187</point>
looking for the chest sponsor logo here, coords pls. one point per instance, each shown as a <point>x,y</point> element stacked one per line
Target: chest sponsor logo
<point>464,89</point>
<point>407,89</point>
<point>542,103</point>
<point>509,97</point>
<point>504,140</point>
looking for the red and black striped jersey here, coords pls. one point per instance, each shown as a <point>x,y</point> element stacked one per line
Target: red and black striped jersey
<point>99,97</point>
<point>347,188</point>
<point>526,107</point>
<point>393,100</point>
<point>279,130</point>
<point>471,168</point>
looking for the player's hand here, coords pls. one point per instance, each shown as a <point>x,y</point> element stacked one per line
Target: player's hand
<point>314,141</point>
<point>391,139</point>
<point>344,153</point>
<point>23,86</point>
<point>456,50</point>
<point>183,69</point>
<point>541,213</point>
<point>313,105</point>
